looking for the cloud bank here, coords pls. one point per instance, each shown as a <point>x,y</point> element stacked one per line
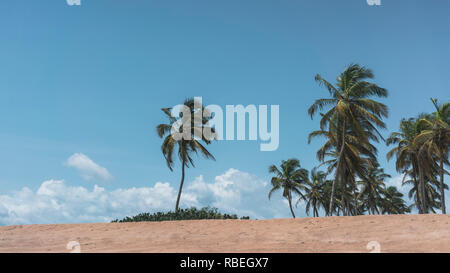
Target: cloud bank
<point>56,201</point>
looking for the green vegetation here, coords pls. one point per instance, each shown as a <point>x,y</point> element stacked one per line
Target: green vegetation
<point>351,118</point>
<point>421,152</point>
<point>182,214</point>
<point>350,125</point>
<point>185,147</point>
<point>290,179</point>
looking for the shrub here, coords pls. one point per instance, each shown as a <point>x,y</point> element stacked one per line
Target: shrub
<point>182,214</point>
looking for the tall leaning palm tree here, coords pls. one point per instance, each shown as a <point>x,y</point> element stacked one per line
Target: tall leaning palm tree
<point>435,141</point>
<point>290,178</point>
<point>351,107</point>
<point>183,147</point>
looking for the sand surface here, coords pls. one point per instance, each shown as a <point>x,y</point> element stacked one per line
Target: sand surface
<point>394,233</point>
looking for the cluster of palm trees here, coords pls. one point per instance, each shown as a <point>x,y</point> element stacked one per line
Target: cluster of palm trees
<point>421,151</point>
<point>314,189</point>
<point>350,124</point>
<point>350,120</point>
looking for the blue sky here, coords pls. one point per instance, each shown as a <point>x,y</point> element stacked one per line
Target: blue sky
<point>91,79</point>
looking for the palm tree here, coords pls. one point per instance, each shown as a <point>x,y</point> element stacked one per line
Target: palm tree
<point>406,156</point>
<point>291,178</point>
<point>373,188</point>
<point>314,192</point>
<point>393,202</point>
<point>435,141</point>
<point>186,147</point>
<point>409,160</point>
<point>326,197</point>
<point>357,155</point>
<point>431,194</point>
<point>352,110</point>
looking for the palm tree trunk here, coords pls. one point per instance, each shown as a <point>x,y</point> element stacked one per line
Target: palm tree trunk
<point>181,186</point>
<point>442,183</point>
<point>290,205</point>
<point>337,169</point>
<point>314,208</point>
<point>422,190</point>
<point>330,210</point>
<point>419,202</point>
<point>343,199</point>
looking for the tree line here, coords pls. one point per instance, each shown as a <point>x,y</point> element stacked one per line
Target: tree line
<point>350,122</point>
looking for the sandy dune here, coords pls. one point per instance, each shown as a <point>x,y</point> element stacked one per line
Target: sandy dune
<point>396,233</point>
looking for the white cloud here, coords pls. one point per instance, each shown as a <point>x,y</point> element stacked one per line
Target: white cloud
<point>87,168</point>
<point>57,202</point>
<point>236,192</point>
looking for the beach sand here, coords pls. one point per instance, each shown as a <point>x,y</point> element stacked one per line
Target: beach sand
<point>393,233</point>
